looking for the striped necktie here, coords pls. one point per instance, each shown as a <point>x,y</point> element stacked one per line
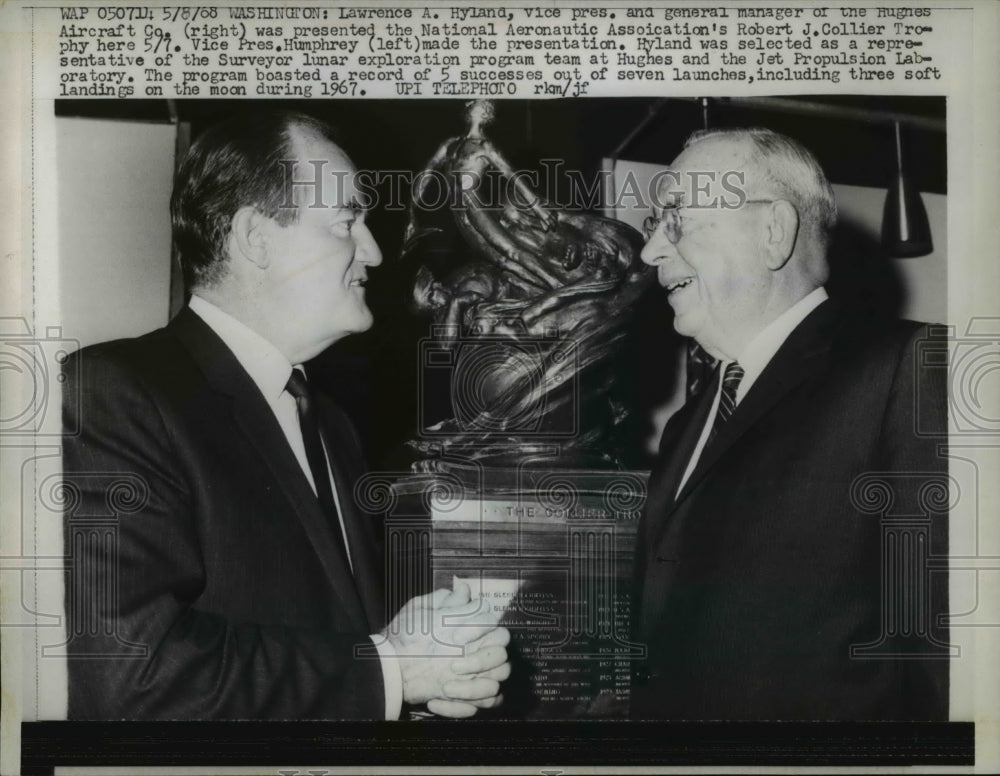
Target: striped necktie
<point>727,400</point>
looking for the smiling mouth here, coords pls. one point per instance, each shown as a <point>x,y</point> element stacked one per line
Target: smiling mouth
<point>359,282</point>
<point>677,285</point>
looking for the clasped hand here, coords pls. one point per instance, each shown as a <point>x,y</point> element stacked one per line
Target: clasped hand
<point>451,652</point>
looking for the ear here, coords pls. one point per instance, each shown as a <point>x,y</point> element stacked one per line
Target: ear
<point>246,236</point>
<point>782,231</point>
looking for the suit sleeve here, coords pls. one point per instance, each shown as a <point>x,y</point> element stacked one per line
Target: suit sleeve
<point>914,430</point>
<point>139,646</point>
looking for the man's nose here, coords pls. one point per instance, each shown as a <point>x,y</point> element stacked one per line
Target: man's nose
<point>657,248</point>
<point>368,251</point>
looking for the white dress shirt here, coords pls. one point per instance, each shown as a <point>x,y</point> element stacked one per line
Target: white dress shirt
<point>754,358</point>
<point>270,370</point>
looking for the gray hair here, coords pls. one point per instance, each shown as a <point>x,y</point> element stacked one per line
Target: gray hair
<point>789,169</point>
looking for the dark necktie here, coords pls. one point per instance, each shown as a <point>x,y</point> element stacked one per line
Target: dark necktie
<point>313,440</point>
<point>727,399</point>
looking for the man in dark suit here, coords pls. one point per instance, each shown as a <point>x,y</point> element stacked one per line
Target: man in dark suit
<point>784,566</point>
<point>242,580</point>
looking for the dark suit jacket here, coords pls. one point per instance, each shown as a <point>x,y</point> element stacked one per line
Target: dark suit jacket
<point>757,581</point>
<point>204,580</point>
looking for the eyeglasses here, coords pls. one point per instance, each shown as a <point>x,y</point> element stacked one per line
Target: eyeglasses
<point>670,221</point>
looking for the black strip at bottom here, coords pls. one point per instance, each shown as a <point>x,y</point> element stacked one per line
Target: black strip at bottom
<point>46,745</point>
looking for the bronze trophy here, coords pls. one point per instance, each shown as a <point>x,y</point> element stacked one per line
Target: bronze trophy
<point>522,492</point>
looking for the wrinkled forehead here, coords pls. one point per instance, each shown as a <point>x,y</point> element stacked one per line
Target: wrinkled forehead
<point>705,171</point>
<point>321,173</point>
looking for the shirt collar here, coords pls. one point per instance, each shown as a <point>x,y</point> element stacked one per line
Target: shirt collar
<point>265,364</point>
<point>761,349</point>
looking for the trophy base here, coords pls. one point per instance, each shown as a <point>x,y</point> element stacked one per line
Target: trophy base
<point>552,551</point>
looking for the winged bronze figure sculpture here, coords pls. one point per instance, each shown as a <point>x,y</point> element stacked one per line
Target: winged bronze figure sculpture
<point>530,302</point>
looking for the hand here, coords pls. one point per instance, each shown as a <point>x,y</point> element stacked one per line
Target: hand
<point>451,652</point>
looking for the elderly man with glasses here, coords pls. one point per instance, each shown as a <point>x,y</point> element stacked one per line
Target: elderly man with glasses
<point>766,585</point>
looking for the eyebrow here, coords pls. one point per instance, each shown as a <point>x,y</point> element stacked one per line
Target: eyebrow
<point>354,206</point>
<point>661,210</point>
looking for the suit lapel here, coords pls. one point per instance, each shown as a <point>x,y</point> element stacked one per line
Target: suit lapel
<point>258,424</point>
<point>362,528</point>
<point>682,434</point>
<point>801,355</point>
